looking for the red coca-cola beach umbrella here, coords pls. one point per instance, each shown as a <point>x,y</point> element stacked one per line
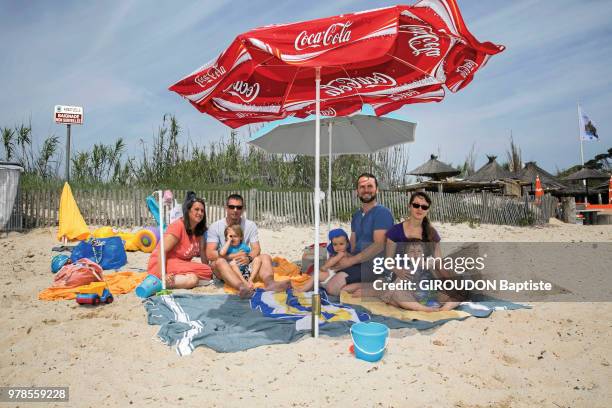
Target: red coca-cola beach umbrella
<point>386,57</point>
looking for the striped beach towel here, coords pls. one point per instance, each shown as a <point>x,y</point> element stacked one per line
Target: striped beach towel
<point>297,306</point>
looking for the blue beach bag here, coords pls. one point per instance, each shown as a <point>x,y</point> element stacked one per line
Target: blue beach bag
<point>109,253</point>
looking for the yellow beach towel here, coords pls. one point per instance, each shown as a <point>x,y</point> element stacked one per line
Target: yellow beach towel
<point>379,307</point>
<point>71,222</point>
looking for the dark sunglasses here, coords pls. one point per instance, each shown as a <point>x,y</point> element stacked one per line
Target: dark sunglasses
<point>234,207</point>
<point>425,207</point>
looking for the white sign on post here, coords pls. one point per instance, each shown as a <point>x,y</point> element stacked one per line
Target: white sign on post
<point>72,115</point>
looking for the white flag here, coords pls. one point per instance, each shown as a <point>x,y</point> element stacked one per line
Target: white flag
<point>588,130</point>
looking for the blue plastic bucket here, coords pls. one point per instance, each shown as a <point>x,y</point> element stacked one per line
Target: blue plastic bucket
<point>370,340</point>
<point>149,286</point>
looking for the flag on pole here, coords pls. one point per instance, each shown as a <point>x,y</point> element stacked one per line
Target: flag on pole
<point>588,131</point>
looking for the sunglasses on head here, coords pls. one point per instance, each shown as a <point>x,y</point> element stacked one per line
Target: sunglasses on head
<point>234,207</point>
<point>196,200</point>
<point>425,207</point>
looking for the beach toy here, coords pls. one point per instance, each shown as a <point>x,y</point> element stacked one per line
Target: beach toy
<point>370,340</point>
<point>149,286</point>
<point>153,208</point>
<point>93,294</point>
<point>155,231</point>
<point>145,240</point>
<point>104,232</point>
<point>58,261</point>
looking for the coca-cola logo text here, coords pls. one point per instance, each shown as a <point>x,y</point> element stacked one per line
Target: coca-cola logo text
<point>242,115</point>
<point>466,68</point>
<point>243,90</point>
<point>340,86</point>
<point>331,112</point>
<point>403,95</point>
<point>210,75</point>
<point>423,40</point>
<point>334,34</point>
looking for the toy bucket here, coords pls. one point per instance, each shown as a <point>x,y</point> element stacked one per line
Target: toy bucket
<point>58,262</point>
<point>149,286</point>
<point>370,340</point>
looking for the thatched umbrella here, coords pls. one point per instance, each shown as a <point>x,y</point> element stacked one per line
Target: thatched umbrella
<point>490,172</point>
<point>531,170</point>
<point>587,174</point>
<point>435,169</point>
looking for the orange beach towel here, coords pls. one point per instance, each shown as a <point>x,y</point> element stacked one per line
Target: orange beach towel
<point>118,283</point>
<point>284,270</point>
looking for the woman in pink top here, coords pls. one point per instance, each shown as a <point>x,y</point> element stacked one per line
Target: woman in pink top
<point>183,240</point>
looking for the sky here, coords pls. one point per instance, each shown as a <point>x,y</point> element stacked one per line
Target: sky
<point>117,59</point>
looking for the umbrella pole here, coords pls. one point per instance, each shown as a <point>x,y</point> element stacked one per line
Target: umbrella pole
<point>162,251</point>
<point>329,177</point>
<point>316,299</point>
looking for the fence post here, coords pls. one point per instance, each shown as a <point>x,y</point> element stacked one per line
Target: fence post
<point>251,204</point>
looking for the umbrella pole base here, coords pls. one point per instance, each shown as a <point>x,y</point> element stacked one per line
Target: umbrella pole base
<point>316,312</point>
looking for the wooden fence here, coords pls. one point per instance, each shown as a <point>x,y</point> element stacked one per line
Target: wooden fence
<point>127,208</point>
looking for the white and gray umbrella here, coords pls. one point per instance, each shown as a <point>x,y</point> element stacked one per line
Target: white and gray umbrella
<point>357,134</point>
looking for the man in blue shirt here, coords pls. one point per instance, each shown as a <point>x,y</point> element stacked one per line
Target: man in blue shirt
<point>368,236</point>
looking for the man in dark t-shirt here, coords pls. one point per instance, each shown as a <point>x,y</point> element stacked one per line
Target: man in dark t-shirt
<point>369,226</point>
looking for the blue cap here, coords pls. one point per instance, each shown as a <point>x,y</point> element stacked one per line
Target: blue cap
<point>335,233</point>
<point>58,261</point>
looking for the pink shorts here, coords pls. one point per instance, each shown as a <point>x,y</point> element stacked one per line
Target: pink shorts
<point>175,266</point>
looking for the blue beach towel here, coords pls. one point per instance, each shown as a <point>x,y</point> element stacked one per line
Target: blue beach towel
<point>226,323</point>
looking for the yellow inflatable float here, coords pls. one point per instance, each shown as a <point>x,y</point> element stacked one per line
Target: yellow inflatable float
<point>143,240</point>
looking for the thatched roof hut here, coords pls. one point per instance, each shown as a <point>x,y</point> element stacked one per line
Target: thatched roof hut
<point>531,170</point>
<point>587,174</point>
<point>604,186</point>
<point>435,169</point>
<point>505,187</point>
<point>490,172</point>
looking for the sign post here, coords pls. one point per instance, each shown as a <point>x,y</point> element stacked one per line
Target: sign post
<point>68,152</point>
<point>68,115</point>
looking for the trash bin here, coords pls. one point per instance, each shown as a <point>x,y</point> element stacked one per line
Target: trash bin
<point>9,184</point>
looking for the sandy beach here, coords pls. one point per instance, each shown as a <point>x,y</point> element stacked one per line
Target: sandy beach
<point>553,355</point>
